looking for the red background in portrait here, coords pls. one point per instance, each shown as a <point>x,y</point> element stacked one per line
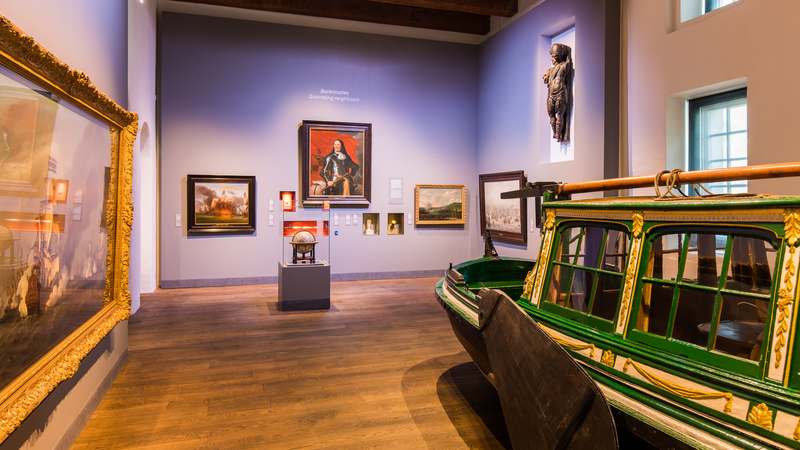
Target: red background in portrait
<point>320,144</point>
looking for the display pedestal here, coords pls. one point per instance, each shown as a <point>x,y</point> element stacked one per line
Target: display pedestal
<point>304,286</point>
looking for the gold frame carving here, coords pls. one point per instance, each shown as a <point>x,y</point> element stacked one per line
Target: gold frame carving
<point>21,54</point>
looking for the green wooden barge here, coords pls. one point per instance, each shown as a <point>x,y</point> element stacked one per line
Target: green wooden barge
<point>683,310</point>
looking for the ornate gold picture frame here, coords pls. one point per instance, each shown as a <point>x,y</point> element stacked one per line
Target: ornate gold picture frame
<point>21,55</point>
<point>440,204</point>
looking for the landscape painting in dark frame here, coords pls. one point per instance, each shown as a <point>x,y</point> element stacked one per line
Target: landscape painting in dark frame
<point>221,204</point>
<point>505,219</point>
<point>335,163</point>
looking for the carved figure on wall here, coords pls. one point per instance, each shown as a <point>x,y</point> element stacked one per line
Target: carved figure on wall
<point>558,79</point>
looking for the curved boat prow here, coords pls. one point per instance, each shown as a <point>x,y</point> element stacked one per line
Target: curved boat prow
<point>548,400</point>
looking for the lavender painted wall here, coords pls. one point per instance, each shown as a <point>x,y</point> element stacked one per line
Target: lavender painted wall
<point>511,100</point>
<point>232,96</point>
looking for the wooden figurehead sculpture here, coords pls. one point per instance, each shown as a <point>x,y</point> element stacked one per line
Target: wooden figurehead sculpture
<point>558,79</point>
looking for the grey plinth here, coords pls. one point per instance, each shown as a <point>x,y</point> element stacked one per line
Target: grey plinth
<point>304,286</point>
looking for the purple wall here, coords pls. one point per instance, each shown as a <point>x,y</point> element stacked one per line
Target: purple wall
<point>514,129</point>
<point>233,94</point>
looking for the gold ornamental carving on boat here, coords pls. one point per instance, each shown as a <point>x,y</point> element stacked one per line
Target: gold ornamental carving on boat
<point>550,220</point>
<point>786,293</point>
<point>608,358</point>
<point>575,346</point>
<point>677,389</point>
<point>630,272</point>
<point>761,416</point>
<point>637,224</point>
<point>527,288</point>
<point>796,434</point>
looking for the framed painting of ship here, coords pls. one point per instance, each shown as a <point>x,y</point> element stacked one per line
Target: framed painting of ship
<point>505,219</point>
<point>440,204</point>
<point>335,163</point>
<point>221,204</point>
<point>63,285</point>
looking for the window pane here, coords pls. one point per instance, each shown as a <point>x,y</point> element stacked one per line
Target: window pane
<point>654,309</point>
<point>714,118</point>
<point>616,251</point>
<point>704,259</point>
<point>559,283</point>
<point>741,328</point>
<point>738,145</point>
<point>664,257</point>
<point>607,295</point>
<point>717,148</point>
<point>581,286</point>
<point>738,115</point>
<point>693,319</point>
<point>589,255</point>
<point>570,239</point>
<point>752,265</point>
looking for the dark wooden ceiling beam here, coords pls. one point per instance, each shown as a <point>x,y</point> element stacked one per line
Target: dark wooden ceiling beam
<point>367,11</point>
<point>504,8</point>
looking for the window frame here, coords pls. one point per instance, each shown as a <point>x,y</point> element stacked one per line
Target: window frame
<point>679,347</point>
<point>695,105</point>
<point>586,318</point>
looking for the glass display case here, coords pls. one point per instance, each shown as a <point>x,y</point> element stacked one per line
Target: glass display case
<point>304,274</point>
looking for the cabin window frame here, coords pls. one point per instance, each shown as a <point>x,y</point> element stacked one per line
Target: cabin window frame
<point>586,318</point>
<point>692,351</point>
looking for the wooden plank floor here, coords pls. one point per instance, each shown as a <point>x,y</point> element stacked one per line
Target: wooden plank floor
<point>221,368</point>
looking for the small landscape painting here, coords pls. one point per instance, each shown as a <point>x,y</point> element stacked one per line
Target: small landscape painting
<point>221,204</point>
<point>440,204</point>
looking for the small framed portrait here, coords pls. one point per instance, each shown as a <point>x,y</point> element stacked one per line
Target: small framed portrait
<point>221,204</point>
<point>394,224</point>
<point>440,204</point>
<point>504,218</point>
<point>370,224</point>
<point>287,201</point>
<point>335,163</point>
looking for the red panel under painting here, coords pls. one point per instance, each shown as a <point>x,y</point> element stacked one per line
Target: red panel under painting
<point>290,227</point>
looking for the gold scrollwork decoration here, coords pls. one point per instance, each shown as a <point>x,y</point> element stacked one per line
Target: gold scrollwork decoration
<point>682,391</point>
<point>761,416</point>
<point>796,434</point>
<point>791,230</point>
<point>550,219</point>
<point>608,358</point>
<point>791,226</point>
<point>527,288</point>
<point>633,267</point>
<point>575,346</point>
<point>637,224</point>
<point>22,54</point>
<point>785,301</point>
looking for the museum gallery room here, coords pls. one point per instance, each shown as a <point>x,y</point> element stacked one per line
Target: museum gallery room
<point>401,224</point>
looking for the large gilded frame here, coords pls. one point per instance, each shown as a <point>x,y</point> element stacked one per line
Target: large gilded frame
<point>21,54</point>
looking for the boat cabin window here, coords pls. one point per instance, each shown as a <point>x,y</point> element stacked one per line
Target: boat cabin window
<point>588,268</point>
<point>710,289</point>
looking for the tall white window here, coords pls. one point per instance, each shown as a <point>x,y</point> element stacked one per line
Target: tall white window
<point>695,8</point>
<point>718,136</point>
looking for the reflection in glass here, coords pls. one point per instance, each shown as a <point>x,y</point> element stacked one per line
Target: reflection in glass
<point>53,161</point>
<point>695,309</point>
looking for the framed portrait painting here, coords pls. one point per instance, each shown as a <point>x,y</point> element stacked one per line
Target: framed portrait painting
<point>504,218</point>
<point>335,163</point>
<point>221,204</point>
<point>440,204</point>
